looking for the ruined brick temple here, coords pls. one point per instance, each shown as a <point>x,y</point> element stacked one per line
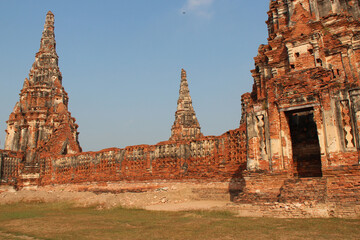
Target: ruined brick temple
<point>298,137</point>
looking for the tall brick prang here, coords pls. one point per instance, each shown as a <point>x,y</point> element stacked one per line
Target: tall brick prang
<point>186,126</point>
<point>41,121</point>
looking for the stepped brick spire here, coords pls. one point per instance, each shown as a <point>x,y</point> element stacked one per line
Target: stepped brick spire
<point>41,120</point>
<point>186,125</point>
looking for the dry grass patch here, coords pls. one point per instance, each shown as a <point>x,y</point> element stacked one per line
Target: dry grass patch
<point>65,221</point>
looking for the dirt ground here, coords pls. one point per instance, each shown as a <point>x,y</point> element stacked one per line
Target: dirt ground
<point>163,196</point>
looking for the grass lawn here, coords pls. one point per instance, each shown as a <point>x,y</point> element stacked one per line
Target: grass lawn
<point>64,221</point>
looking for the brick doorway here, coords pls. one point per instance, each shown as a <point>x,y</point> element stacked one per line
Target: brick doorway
<point>305,143</point>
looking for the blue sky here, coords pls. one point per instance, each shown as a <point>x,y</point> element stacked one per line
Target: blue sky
<point>121,62</point>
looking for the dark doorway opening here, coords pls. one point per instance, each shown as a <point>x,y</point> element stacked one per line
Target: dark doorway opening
<point>305,143</point>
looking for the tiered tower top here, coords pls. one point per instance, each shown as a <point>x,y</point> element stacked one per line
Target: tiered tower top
<point>45,69</point>
<point>186,125</point>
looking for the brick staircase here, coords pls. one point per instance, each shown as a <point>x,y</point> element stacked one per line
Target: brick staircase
<point>29,177</point>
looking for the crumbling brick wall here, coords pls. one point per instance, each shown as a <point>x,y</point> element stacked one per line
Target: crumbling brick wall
<point>208,158</point>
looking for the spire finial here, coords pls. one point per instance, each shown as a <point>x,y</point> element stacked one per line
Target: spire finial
<point>46,58</point>
<point>49,21</point>
<point>48,36</point>
<point>183,74</point>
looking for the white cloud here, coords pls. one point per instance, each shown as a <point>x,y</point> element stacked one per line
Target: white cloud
<point>201,8</point>
<point>197,4</point>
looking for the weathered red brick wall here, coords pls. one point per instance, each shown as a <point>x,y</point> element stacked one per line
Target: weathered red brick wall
<point>209,158</point>
<point>343,184</point>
